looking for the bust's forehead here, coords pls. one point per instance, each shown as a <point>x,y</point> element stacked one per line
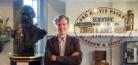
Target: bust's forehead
<point>27,10</point>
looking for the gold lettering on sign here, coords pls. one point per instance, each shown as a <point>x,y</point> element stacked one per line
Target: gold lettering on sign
<point>103,19</point>
<point>86,30</point>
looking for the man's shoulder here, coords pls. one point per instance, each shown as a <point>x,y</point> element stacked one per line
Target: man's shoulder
<point>73,37</point>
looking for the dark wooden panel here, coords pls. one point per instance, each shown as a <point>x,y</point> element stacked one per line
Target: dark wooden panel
<point>99,56</point>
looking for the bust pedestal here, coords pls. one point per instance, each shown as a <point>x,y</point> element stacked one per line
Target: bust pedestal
<point>24,60</point>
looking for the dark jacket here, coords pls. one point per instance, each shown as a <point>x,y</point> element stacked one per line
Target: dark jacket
<point>52,48</point>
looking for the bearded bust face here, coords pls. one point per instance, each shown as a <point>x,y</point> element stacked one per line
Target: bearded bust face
<point>27,15</point>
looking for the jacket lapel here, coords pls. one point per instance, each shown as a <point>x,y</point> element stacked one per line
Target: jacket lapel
<point>67,45</point>
<point>56,44</point>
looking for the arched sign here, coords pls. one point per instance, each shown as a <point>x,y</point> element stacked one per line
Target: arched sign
<point>103,20</point>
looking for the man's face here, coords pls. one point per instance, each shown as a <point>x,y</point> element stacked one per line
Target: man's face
<point>62,26</point>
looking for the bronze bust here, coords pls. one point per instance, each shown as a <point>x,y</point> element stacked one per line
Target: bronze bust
<point>27,35</point>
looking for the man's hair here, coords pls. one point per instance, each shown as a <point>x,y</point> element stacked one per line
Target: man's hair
<point>58,18</point>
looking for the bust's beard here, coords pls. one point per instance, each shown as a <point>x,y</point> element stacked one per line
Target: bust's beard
<point>27,23</point>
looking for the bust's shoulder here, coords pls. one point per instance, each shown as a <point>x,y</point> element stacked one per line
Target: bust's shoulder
<point>20,29</point>
<point>35,27</point>
<point>53,38</point>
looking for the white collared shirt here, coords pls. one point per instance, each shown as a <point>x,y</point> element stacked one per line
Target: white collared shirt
<point>62,45</point>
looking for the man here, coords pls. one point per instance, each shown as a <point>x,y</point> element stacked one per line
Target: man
<point>27,35</point>
<point>62,49</point>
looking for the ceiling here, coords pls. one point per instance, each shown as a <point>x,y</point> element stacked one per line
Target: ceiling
<point>98,0</point>
<point>7,0</point>
<point>85,0</point>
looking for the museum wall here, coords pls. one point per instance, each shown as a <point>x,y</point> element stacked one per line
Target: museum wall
<point>6,10</point>
<point>54,8</point>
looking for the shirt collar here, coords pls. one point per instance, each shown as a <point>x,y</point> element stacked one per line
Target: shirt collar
<point>63,39</point>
